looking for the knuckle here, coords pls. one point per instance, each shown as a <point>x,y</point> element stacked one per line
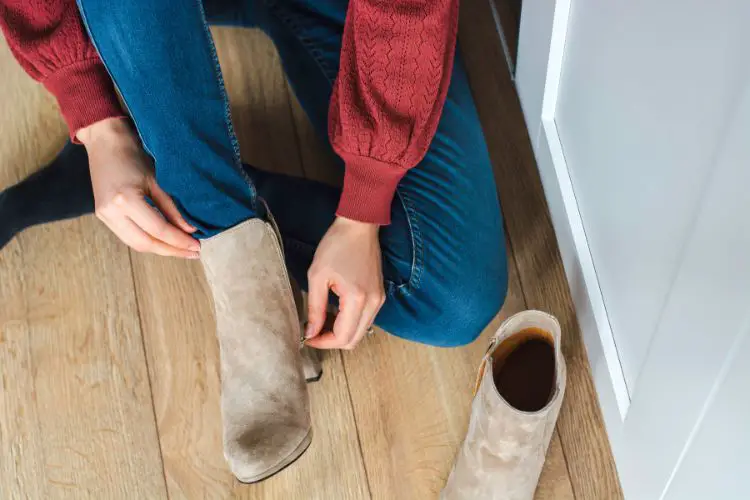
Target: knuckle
<point>120,199</point>
<point>376,299</point>
<point>358,296</point>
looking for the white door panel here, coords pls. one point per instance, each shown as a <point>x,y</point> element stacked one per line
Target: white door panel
<point>643,146</point>
<point>641,115</point>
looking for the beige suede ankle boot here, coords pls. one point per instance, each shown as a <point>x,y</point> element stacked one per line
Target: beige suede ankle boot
<point>517,399</point>
<point>264,402</point>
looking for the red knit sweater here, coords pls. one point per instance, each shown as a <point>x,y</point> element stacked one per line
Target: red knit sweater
<point>396,62</point>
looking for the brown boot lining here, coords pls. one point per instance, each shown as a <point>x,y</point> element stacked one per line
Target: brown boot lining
<point>524,369</point>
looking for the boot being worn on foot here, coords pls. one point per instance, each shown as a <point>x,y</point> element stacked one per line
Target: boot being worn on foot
<point>518,395</point>
<point>264,399</point>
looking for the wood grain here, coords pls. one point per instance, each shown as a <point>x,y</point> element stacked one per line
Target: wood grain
<point>76,419</point>
<point>261,112</point>
<point>532,239</point>
<point>319,162</point>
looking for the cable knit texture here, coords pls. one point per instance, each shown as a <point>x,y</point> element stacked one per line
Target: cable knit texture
<point>396,62</point>
<point>48,39</point>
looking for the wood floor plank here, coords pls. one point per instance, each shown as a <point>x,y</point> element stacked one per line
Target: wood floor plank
<point>319,162</point>
<point>261,111</point>
<point>179,326</point>
<point>76,419</point>
<point>532,239</point>
<point>554,483</point>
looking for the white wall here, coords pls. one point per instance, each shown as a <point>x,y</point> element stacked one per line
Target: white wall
<point>639,113</point>
<point>646,94</point>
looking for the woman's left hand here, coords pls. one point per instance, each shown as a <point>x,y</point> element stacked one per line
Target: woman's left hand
<point>347,262</point>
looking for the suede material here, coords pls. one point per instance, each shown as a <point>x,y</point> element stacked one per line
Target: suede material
<point>264,401</point>
<point>504,450</point>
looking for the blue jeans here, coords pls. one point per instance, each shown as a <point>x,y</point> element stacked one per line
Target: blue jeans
<point>444,255</point>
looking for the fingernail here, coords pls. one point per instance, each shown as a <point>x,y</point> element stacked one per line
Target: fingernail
<point>309,330</point>
<point>195,247</point>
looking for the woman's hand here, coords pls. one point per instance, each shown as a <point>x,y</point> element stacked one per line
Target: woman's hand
<point>347,262</point>
<point>122,178</point>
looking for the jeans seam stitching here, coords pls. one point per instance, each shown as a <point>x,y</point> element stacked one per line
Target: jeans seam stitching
<point>417,247</point>
<point>313,51</point>
<point>87,26</point>
<point>219,79</point>
<point>236,161</point>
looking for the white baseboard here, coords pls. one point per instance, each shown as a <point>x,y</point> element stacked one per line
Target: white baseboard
<point>544,25</point>
<point>609,378</point>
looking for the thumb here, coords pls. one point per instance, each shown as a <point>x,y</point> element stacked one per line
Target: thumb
<point>317,302</point>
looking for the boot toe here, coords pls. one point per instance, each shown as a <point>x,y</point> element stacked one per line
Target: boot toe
<point>251,463</point>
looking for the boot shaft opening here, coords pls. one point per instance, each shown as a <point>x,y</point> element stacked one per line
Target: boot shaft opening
<point>523,368</point>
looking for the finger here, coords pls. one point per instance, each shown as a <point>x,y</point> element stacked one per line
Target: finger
<point>137,239</point>
<point>167,207</point>
<point>317,302</point>
<point>325,340</point>
<point>368,319</point>
<point>351,306</point>
<point>159,228</point>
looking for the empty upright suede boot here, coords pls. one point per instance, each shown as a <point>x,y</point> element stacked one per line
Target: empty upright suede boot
<point>517,399</point>
<point>264,401</point>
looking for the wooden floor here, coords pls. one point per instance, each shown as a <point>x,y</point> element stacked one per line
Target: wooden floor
<point>108,360</point>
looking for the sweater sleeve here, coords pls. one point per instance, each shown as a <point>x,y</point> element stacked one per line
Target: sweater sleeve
<point>48,39</point>
<point>396,62</point>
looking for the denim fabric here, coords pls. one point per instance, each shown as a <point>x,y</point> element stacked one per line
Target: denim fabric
<point>444,253</point>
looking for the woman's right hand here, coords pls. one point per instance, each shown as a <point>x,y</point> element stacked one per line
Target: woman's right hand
<point>122,178</point>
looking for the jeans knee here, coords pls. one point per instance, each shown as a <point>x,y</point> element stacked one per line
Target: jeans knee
<point>454,315</point>
<point>471,313</point>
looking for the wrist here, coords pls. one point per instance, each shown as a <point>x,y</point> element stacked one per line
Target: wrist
<point>108,130</point>
<point>363,228</point>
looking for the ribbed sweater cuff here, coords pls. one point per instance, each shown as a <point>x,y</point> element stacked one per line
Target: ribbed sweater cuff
<point>85,94</point>
<point>369,187</point>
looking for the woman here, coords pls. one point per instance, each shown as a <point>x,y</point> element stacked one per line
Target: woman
<point>418,251</point>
